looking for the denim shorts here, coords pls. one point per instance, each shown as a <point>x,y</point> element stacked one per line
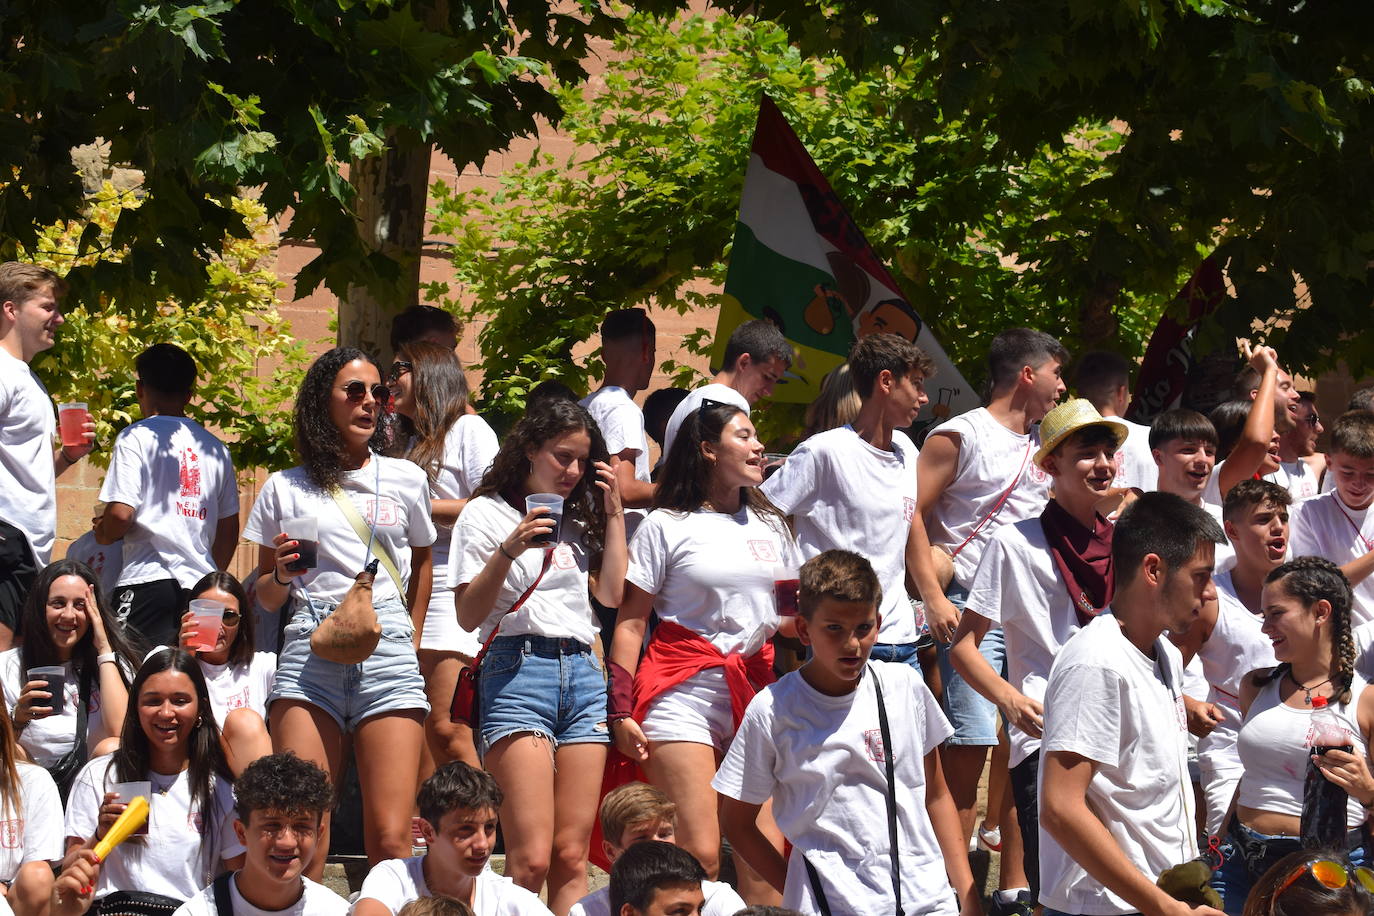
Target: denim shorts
<point>973,716</point>
<point>388,680</point>
<point>1239,872</point>
<point>553,688</point>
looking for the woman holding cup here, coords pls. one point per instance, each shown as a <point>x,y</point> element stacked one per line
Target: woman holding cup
<point>70,634</point>
<point>522,579</point>
<point>369,508</point>
<point>218,630</point>
<point>706,559</point>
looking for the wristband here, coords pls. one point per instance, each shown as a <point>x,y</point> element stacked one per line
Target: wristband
<point>278,581</point>
<point>508,555</point>
<point>620,702</point>
<point>105,657</point>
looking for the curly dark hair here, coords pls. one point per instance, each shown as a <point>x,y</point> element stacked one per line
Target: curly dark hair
<point>457,785</point>
<point>284,783</point>
<point>510,468</point>
<point>318,443</point>
<point>241,649</point>
<point>38,648</point>
<point>685,481</point>
<point>1313,579</point>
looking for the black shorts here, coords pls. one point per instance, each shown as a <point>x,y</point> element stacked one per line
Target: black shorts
<point>18,569</point>
<point>150,612</point>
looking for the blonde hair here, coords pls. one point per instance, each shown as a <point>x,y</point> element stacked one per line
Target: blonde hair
<point>837,404</point>
<point>630,805</point>
<point>19,280</point>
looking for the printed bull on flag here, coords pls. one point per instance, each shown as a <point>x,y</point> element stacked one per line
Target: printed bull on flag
<point>800,261</point>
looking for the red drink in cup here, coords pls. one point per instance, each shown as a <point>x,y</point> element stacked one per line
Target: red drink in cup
<point>208,617</point>
<point>71,420</point>
<point>786,590</point>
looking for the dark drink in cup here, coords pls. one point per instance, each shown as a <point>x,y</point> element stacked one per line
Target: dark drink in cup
<point>552,536</point>
<point>305,531</point>
<point>554,504</point>
<point>309,556</point>
<point>55,677</point>
<point>787,592</point>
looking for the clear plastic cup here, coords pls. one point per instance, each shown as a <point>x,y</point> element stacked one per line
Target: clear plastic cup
<point>208,617</point>
<point>128,791</point>
<point>306,530</point>
<point>71,419</point>
<point>554,503</point>
<point>786,590</point>
<point>56,678</point>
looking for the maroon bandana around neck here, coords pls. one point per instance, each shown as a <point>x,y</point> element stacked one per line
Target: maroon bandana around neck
<point>1083,557</point>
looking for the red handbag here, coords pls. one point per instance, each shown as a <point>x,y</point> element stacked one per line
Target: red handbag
<point>464,707</point>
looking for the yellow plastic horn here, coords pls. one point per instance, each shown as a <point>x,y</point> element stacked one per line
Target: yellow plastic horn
<point>134,816</point>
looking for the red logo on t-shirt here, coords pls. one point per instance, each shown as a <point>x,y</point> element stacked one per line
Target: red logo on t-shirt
<point>908,508</point>
<point>381,510</point>
<point>238,700</point>
<point>190,472</point>
<point>763,551</point>
<point>11,834</point>
<point>1036,473</point>
<point>563,557</point>
<point>873,743</point>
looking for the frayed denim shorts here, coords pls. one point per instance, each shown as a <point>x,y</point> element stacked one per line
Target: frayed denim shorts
<point>553,688</point>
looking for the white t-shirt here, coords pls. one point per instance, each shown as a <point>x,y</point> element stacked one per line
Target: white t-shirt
<point>712,392</point>
<point>559,607</point>
<point>170,860</point>
<point>105,560</point>
<point>820,758</point>
<point>622,426</point>
<point>1235,647</point>
<point>1224,555</point>
<point>846,494</point>
<point>1018,588</point>
<point>469,449</point>
<point>1109,702</point>
<point>36,834</point>
<point>1135,464</point>
<point>989,456</point>
<point>721,900</point>
<point>1325,526</point>
<point>316,900</point>
<point>179,480</point>
<point>396,882</point>
<point>240,686</point>
<point>28,480</point>
<point>713,573</point>
<point>1297,477</point>
<point>400,513</point>
<point>50,738</point>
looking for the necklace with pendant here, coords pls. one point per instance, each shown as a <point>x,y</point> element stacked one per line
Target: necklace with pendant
<point>1305,689</point>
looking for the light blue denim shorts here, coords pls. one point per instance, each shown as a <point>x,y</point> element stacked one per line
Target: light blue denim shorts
<point>973,716</point>
<point>388,680</point>
<point>554,688</point>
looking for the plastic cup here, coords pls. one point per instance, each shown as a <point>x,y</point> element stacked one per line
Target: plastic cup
<point>128,791</point>
<point>306,530</point>
<point>209,619</point>
<point>71,419</point>
<point>56,678</point>
<point>554,503</point>
<point>786,590</point>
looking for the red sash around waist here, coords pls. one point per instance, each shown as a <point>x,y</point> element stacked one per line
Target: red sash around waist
<point>675,653</point>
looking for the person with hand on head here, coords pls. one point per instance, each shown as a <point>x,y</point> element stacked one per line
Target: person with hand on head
<point>1253,438</point>
<point>705,561</point>
<point>169,741</point>
<point>1307,611</point>
<point>368,509</point>
<point>238,677</point>
<point>459,805</point>
<point>1301,466</point>
<point>454,447</point>
<point>523,578</point>
<point>656,879</point>
<point>69,626</point>
<point>1116,807</point>
<point>30,314</point>
<point>280,800</point>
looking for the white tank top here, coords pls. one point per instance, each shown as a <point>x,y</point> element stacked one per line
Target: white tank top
<point>1236,646</point>
<point>989,455</point>
<point>1273,749</point>
<point>1297,477</point>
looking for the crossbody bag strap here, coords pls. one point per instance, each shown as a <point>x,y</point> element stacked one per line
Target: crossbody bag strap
<point>224,904</point>
<point>519,603</point>
<point>890,766</point>
<point>817,891</point>
<point>365,534</point>
<point>1001,500</point>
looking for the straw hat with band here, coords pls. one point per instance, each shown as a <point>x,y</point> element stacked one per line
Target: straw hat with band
<point>1067,419</point>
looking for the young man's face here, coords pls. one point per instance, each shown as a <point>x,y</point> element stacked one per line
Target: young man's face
<point>1187,588</point>
<point>1082,467</point>
<point>1185,465</point>
<point>841,635</point>
<point>1354,478</point>
<point>658,828</point>
<point>1301,440</point>
<point>1046,387</point>
<point>1286,401</point>
<point>1261,533</point>
<point>36,319</point>
<point>463,840</point>
<point>755,380</point>
<point>280,845</point>
<point>908,396</point>
<point>671,900</point>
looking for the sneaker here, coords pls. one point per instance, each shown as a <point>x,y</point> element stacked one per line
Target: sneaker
<point>1023,905</point>
<point>991,839</point>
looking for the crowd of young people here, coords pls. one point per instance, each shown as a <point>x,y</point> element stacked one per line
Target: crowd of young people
<point>1039,570</point>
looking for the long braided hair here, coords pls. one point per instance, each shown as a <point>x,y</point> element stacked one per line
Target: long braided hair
<point>1309,580</point>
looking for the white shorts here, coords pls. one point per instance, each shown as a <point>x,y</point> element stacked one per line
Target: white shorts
<point>441,632</point>
<point>697,710</point>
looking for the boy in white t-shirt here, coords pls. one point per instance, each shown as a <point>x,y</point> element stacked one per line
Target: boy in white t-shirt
<point>1116,807</point>
<point>846,749</point>
<point>458,811</point>
<point>105,560</point>
<point>854,487</point>
<point>656,879</point>
<point>280,800</point>
<point>170,493</point>
<point>631,814</point>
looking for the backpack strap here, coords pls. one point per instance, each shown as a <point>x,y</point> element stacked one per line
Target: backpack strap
<point>224,903</point>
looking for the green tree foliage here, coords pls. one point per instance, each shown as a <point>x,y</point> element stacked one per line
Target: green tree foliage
<point>646,210</point>
<point>249,364</point>
<point>1246,127</point>
<point>205,97</point>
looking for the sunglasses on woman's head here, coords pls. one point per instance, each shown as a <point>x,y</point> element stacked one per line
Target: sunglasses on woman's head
<point>399,368</point>
<point>1330,874</point>
<point>356,390</point>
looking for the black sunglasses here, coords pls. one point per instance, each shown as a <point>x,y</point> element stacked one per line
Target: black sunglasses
<point>400,368</point>
<point>356,390</point>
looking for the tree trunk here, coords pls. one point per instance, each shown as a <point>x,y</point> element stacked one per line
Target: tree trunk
<point>392,192</point>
